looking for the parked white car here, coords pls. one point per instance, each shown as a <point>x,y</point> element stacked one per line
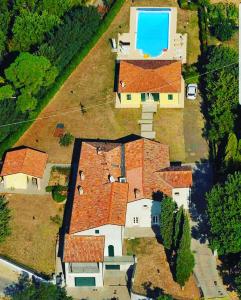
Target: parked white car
<point>192,91</point>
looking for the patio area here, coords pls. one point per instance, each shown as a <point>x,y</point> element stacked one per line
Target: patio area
<point>126,42</point>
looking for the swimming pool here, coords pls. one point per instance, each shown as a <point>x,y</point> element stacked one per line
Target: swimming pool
<point>152,35</point>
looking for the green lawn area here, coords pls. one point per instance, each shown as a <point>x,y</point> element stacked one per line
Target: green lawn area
<point>33,238</point>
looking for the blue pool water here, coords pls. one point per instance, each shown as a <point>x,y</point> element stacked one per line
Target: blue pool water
<point>152,31</point>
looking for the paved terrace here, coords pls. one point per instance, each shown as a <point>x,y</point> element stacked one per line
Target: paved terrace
<point>126,44</point>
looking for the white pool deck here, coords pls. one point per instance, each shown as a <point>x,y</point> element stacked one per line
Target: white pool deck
<point>126,44</point>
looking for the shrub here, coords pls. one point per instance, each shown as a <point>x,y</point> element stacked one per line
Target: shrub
<point>56,219</point>
<point>5,229</point>
<point>66,140</point>
<point>57,192</point>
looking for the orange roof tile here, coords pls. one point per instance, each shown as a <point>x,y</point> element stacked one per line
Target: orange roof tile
<point>28,161</point>
<point>83,248</point>
<point>102,202</point>
<point>148,172</point>
<point>160,76</point>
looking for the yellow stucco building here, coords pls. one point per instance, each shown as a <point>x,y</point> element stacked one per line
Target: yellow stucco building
<point>23,169</point>
<point>142,81</point>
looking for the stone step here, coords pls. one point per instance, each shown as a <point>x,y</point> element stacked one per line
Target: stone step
<point>146,127</point>
<point>148,134</point>
<point>149,108</point>
<point>145,121</point>
<point>147,116</point>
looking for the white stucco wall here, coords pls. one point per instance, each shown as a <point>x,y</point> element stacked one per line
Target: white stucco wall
<point>139,297</point>
<point>16,181</point>
<point>181,196</point>
<point>113,236</point>
<point>143,209</point>
<point>70,277</point>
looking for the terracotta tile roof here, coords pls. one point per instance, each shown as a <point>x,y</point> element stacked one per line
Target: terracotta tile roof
<point>102,202</point>
<point>83,248</point>
<point>147,169</point>
<point>28,161</point>
<point>180,177</point>
<point>160,76</point>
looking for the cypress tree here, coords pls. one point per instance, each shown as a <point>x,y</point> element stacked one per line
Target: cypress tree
<point>168,207</point>
<point>178,227</point>
<point>185,259</point>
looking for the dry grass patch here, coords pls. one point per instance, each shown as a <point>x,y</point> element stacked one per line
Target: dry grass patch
<point>168,124</point>
<point>153,272</point>
<point>92,85</point>
<point>33,237</point>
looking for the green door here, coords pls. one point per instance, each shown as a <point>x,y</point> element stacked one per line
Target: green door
<point>143,97</point>
<point>84,281</point>
<point>112,267</point>
<point>111,250</point>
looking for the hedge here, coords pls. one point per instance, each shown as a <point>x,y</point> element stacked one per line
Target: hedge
<point>11,140</point>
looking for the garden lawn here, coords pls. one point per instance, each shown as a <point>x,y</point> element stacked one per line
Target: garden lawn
<point>91,84</point>
<point>153,272</point>
<point>33,237</point>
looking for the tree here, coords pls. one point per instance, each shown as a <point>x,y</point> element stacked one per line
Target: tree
<point>29,29</point>
<point>178,227</point>
<point>224,210</point>
<point>6,92</point>
<point>168,207</point>
<point>66,140</point>
<point>221,92</point>
<point>40,291</point>
<point>185,259</point>
<point>233,152</point>
<point>77,29</point>
<point>165,297</point>
<point>4,219</point>
<point>28,74</point>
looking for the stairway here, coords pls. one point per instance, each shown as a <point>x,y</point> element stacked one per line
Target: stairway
<point>146,122</point>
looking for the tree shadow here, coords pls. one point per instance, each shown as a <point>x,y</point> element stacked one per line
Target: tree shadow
<point>23,282</point>
<point>152,291</point>
<point>229,269</point>
<point>202,183</point>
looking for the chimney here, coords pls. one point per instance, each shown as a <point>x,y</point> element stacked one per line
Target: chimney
<point>137,193</point>
<point>123,84</point>
<point>82,175</point>
<point>80,190</point>
<point>99,150</point>
<point>111,178</point>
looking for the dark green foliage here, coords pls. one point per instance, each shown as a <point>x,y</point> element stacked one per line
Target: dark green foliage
<point>233,152</point>
<point>40,291</point>
<point>29,29</point>
<point>223,20</point>
<point>238,281</point>
<point>5,217</point>
<point>179,217</point>
<point>190,74</point>
<point>221,92</point>
<point>58,192</point>
<point>78,27</point>
<point>28,74</point>
<point>224,210</point>
<point>168,207</point>
<point>66,140</point>
<point>185,259</point>
<point>164,297</point>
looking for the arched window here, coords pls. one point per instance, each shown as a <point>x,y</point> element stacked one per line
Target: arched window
<point>111,250</point>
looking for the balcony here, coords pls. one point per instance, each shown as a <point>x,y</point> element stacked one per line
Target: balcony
<point>84,268</point>
<point>119,259</point>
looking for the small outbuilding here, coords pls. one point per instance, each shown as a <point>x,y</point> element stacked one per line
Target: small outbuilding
<point>23,168</point>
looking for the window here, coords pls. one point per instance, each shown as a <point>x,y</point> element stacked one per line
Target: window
<point>156,96</point>
<point>97,231</point>
<point>155,220</point>
<point>135,220</point>
<point>143,97</point>
<point>170,97</point>
<point>177,193</point>
<point>84,281</point>
<point>111,250</point>
<point>145,205</point>
<point>128,96</point>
